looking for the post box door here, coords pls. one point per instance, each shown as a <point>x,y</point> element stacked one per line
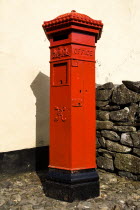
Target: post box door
<point>60,115</point>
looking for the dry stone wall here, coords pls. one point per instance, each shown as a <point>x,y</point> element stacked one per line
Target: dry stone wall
<point>118,128</point>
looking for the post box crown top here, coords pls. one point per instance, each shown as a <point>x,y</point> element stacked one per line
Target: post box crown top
<point>74,18</point>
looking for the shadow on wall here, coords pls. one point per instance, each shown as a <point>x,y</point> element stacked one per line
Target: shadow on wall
<point>40,87</point>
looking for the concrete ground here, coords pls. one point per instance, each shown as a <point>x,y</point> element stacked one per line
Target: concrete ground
<point>26,192</point>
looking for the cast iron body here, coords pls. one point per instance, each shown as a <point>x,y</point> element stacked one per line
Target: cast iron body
<point>72,39</point>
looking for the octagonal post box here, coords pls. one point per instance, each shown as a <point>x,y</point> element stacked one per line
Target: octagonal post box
<point>72,173</point>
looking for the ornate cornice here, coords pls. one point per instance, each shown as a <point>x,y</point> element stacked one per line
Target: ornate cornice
<point>72,18</point>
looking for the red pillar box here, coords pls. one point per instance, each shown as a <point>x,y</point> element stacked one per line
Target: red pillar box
<point>72,166</point>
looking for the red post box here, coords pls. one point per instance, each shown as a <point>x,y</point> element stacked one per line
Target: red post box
<point>72,166</point>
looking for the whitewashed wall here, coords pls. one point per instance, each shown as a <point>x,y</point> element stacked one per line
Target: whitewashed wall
<point>24,60</point>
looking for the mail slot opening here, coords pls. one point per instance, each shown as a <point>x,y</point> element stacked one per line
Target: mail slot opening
<point>60,37</point>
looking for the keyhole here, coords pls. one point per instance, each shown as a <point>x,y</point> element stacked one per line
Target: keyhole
<point>61,81</point>
<point>80,91</point>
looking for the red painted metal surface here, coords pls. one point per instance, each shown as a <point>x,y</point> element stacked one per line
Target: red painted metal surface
<point>72,90</point>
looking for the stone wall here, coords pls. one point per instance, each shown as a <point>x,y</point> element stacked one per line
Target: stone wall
<point>118,128</point>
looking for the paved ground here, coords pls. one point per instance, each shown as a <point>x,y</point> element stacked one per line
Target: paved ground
<point>25,192</point>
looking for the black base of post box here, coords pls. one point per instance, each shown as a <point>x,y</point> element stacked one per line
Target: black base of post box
<point>72,185</point>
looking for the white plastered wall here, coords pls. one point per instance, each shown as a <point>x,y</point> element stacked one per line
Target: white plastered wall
<point>24,60</point>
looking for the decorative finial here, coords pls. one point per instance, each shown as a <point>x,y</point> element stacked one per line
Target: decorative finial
<point>73,10</point>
